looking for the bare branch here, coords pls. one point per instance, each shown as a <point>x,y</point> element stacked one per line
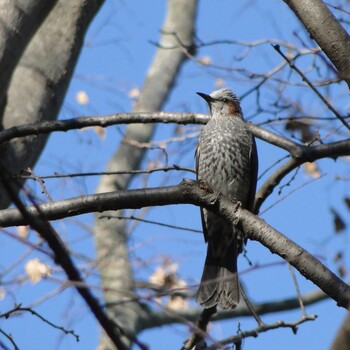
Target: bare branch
<point>188,192</point>
<point>200,329</point>
<point>308,82</point>
<point>39,223</point>
<point>174,167</point>
<point>307,154</point>
<point>326,30</point>
<point>260,329</point>
<point>119,217</point>
<point>161,318</point>
<point>135,118</point>
<point>103,120</point>
<point>10,338</point>
<point>19,309</point>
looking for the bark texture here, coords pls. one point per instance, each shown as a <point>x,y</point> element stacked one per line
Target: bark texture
<point>19,21</point>
<point>342,338</point>
<point>41,77</point>
<point>327,31</point>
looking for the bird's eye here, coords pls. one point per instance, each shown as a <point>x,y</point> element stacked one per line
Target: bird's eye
<point>225,100</point>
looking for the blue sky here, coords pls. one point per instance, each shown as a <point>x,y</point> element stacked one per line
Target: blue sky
<point>115,59</point>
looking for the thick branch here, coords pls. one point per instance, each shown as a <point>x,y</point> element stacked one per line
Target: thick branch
<point>327,31</point>
<point>103,121</point>
<point>342,338</point>
<point>163,318</point>
<point>98,203</point>
<point>19,21</point>
<point>138,117</point>
<point>188,192</point>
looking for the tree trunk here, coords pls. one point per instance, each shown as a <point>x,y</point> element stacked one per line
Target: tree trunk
<point>110,235</point>
<point>41,78</point>
<point>326,30</point>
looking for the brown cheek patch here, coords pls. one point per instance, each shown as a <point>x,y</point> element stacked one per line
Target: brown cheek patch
<point>233,108</point>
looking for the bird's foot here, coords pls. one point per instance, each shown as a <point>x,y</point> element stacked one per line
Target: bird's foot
<point>236,206</point>
<point>204,186</point>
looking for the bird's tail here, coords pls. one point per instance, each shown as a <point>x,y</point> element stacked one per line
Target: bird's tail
<point>219,284</point>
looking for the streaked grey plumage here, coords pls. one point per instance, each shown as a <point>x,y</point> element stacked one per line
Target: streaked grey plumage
<point>227,160</point>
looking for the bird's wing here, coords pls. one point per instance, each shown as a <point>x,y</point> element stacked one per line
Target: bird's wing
<point>203,214</point>
<point>254,164</point>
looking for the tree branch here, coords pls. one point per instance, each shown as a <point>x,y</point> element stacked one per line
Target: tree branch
<point>326,30</point>
<point>135,118</point>
<point>162,318</point>
<point>260,329</point>
<point>188,192</point>
<point>342,338</point>
<point>306,154</point>
<point>18,309</point>
<point>312,87</point>
<point>36,219</point>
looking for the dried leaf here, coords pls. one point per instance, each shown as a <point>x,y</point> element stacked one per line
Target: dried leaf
<point>205,60</point>
<point>158,276</point>
<point>305,131</point>
<point>342,272</point>
<point>154,164</point>
<point>338,222</point>
<point>23,231</point>
<point>312,169</point>
<point>100,131</point>
<point>338,257</point>
<point>134,93</point>
<point>166,276</point>
<point>82,97</point>
<point>36,270</point>
<point>177,303</point>
<point>220,83</point>
<point>2,293</point>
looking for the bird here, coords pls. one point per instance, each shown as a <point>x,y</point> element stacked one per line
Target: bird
<point>227,161</point>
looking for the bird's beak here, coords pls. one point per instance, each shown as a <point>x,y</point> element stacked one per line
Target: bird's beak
<point>208,98</point>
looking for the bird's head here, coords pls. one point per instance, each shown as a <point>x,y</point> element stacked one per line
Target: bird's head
<point>222,103</point>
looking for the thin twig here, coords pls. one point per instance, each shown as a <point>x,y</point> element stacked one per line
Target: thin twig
<point>308,82</point>
<point>131,217</point>
<point>26,242</point>
<point>44,228</point>
<point>19,309</point>
<point>290,193</point>
<point>174,167</point>
<point>131,118</point>
<point>10,338</point>
<point>260,329</point>
<point>189,192</point>
<point>200,329</point>
<point>29,172</point>
<point>296,285</point>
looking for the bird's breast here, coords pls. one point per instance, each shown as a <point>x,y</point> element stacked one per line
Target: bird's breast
<point>224,157</point>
